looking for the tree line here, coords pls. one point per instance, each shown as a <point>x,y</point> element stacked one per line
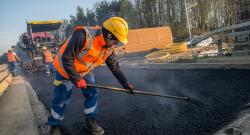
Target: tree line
<point>204,15</point>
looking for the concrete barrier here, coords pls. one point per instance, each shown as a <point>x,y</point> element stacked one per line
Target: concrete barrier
<point>5,78</point>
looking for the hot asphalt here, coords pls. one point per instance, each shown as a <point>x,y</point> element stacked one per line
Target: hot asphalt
<point>217,96</point>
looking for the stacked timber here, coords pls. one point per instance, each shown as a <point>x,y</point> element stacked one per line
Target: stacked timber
<point>5,78</point>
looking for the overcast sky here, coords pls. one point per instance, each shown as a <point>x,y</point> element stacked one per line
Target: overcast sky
<point>14,13</point>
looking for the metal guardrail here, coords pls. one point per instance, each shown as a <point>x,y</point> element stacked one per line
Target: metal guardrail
<point>216,54</point>
<point>241,43</point>
<point>238,33</point>
<point>225,29</point>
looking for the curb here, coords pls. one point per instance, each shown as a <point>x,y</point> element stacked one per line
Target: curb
<point>39,111</point>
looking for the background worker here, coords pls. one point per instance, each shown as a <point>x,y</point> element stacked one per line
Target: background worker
<point>12,59</point>
<point>47,59</point>
<point>86,49</point>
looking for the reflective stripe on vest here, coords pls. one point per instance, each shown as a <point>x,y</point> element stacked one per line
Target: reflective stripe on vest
<point>87,59</point>
<point>11,57</point>
<point>89,45</point>
<point>61,65</point>
<point>60,61</point>
<point>48,56</point>
<point>88,37</point>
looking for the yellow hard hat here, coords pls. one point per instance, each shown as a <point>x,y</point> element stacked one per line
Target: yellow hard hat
<point>10,49</point>
<point>44,48</point>
<point>118,27</point>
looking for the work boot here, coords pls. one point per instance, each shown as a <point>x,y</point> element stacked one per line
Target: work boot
<point>94,128</point>
<point>54,130</point>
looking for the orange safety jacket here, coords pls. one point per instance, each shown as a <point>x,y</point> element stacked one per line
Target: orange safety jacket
<point>11,57</point>
<point>90,56</point>
<point>48,56</point>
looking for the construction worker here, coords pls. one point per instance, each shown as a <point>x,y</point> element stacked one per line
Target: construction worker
<point>86,49</point>
<point>12,59</point>
<point>47,59</point>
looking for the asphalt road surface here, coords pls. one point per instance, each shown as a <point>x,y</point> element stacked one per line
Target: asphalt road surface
<point>217,97</point>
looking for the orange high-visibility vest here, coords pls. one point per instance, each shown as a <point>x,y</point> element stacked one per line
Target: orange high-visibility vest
<point>90,56</point>
<point>11,57</point>
<point>48,56</point>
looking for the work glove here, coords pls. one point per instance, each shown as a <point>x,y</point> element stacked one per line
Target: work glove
<point>130,88</point>
<point>81,84</point>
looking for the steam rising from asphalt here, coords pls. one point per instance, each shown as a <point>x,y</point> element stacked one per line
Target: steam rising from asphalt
<point>175,88</point>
